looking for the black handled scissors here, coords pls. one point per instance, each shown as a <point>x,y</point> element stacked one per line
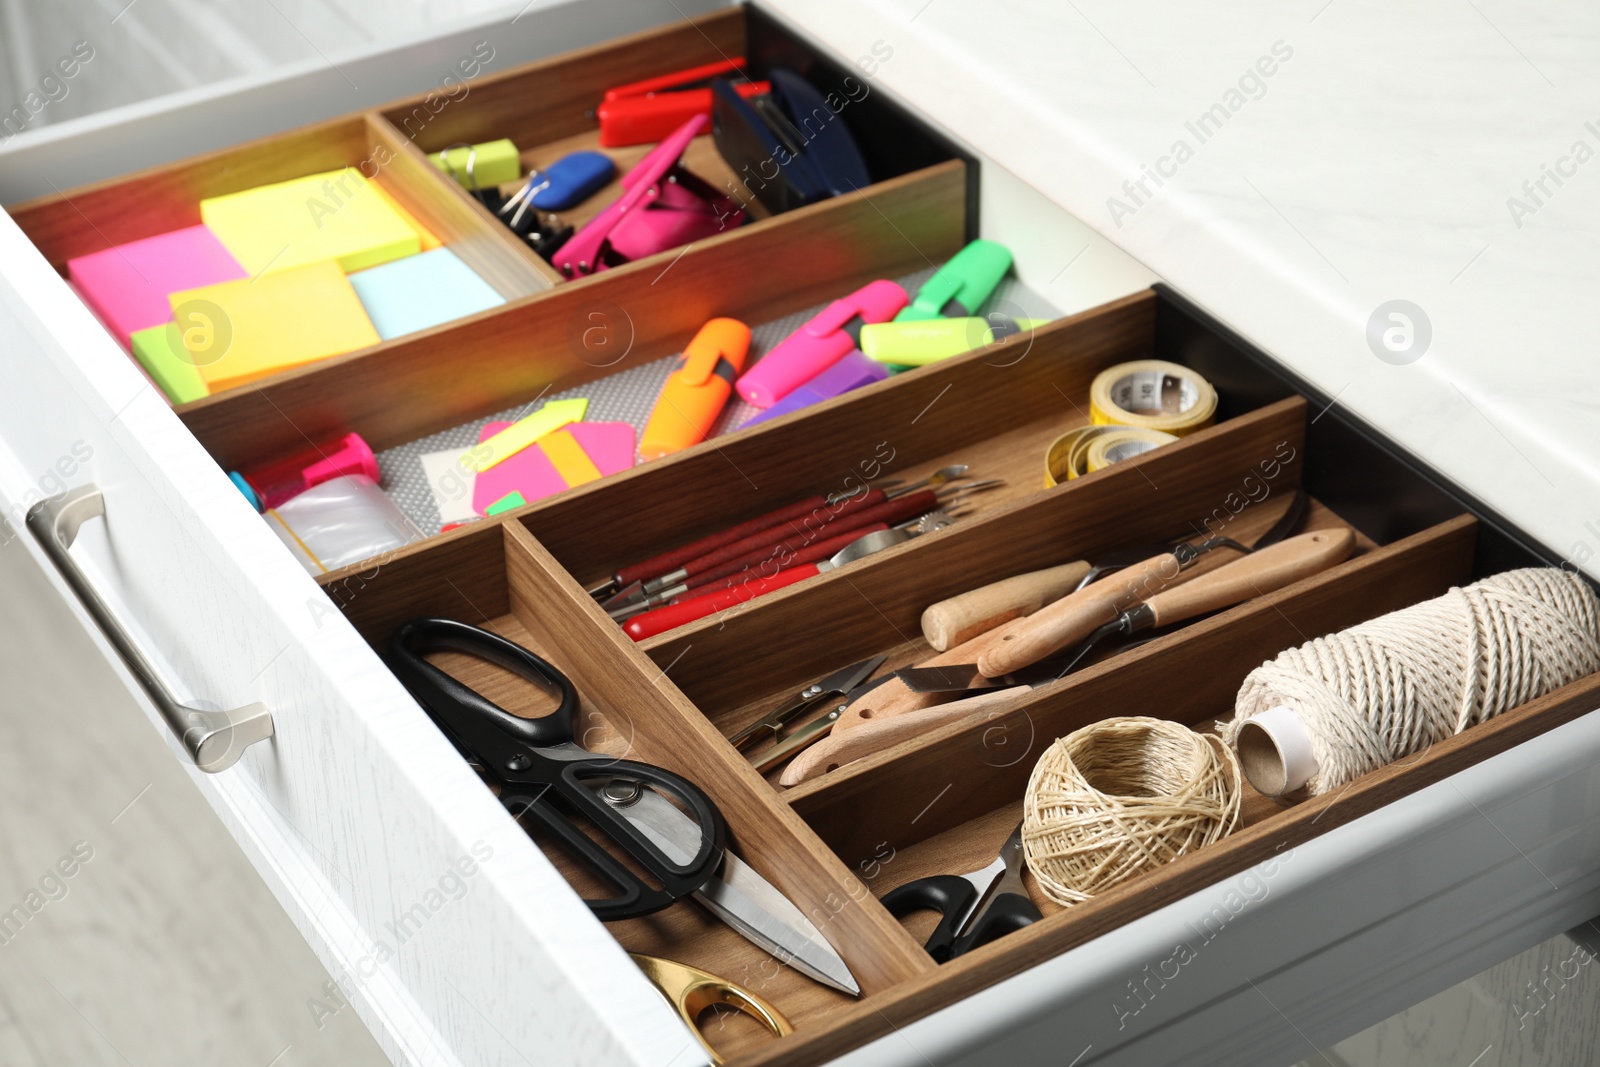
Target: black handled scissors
<point>543,774</point>
<point>976,908</point>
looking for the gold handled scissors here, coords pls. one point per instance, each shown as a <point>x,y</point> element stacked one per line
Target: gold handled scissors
<point>691,991</point>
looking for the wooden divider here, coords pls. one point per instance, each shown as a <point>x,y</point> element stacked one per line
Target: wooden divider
<point>871,433</point>
<point>430,381</point>
<point>788,638</point>
<point>555,98</point>
<point>669,731</point>
<point>482,241</point>
<point>1189,676</point>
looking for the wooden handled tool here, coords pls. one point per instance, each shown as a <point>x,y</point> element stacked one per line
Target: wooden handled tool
<point>894,698</point>
<point>1020,643</point>
<point>1075,616</point>
<point>961,618</point>
<point>1262,571</point>
<point>846,745</point>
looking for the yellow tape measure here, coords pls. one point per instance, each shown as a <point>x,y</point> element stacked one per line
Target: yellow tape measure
<point>1134,407</point>
<point>1091,448</point>
<point>1152,394</point>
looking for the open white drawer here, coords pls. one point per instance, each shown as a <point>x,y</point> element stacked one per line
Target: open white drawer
<point>459,942</point>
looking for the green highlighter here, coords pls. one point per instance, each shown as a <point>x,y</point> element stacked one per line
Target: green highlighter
<point>916,344</point>
<point>960,287</point>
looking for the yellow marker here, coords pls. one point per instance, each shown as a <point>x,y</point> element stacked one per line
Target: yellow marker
<point>569,458</point>
<point>524,432</point>
<point>335,215</point>
<point>240,331</point>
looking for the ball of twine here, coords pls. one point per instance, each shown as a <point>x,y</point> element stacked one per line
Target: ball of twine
<point>1391,687</point>
<point>1122,797</point>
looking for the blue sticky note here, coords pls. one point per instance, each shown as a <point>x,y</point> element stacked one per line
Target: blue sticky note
<point>416,292</point>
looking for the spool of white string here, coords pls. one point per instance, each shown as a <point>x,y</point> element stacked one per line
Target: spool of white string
<point>1393,686</point>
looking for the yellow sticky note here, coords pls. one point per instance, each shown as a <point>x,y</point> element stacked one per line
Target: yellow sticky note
<point>524,432</point>
<point>338,215</point>
<point>569,458</point>
<point>425,238</point>
<point>239,331</point>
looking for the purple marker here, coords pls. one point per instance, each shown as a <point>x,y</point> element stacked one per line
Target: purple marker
<point>851,372</point>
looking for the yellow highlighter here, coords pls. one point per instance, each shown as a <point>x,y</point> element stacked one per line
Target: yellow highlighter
<point>697,389</point>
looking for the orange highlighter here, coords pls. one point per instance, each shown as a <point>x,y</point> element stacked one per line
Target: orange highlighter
<point>697,389</point>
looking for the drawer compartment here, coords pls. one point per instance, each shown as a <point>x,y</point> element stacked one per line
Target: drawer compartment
<point>548,110</point>
<point>943,800</point>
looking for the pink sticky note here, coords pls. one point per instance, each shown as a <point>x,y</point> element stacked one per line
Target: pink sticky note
<point>610,445</point>
<point>127,286</point>
<point>528,472</point>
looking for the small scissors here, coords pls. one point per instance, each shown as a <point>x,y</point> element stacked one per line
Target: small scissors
<point>543,774</point>
<point>977,908</point>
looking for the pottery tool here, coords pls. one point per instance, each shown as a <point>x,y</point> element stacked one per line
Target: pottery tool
<point>1329,711</point>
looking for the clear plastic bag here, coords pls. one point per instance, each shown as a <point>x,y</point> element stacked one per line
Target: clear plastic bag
<point>344,520</point>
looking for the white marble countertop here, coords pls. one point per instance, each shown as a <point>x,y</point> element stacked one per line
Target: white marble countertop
<point>1360,152</point>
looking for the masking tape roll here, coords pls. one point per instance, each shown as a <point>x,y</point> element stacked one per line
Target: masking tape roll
<point>1090,448</point>
<point>1154,395</point>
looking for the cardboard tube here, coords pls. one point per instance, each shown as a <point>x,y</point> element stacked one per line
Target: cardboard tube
<point>1275,751</point>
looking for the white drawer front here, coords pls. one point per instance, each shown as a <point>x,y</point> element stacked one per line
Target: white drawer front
<point>452,934</point>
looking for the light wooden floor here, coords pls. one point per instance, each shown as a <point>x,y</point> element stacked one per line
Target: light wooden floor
<point>164,948</point>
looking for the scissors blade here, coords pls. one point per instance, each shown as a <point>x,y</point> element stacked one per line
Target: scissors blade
<point>1003,876</point>
<point>742,898</point>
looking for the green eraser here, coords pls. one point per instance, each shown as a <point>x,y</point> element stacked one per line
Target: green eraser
<point>960,287</point>
<point>513,499</point>
<point>916,344</point>
<point>162,354</point>
<point>481,165</point>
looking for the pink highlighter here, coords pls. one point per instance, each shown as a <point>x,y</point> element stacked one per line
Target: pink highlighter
<point>831,335</point>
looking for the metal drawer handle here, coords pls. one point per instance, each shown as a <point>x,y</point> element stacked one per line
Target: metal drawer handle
<point>214,739</point>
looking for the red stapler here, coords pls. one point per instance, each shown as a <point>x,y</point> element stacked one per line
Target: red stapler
<point>646,111</point>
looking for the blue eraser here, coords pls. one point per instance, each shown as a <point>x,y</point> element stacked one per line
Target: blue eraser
<point>572,179</point>
<point>851,372</point>
<point>415,292</point>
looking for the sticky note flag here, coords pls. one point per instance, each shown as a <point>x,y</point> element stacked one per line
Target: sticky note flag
<point>127,285</point>
<point>336,215</point>
<point>524,432</point>
<point>511,500</point>
<point>241,331</point>
<point>529,472</point>
<point>451,479</point>
<point>161,353</point>
<point>493,163</point>
<point>416,292</point>
<point>609,445</point>
<point>569,458</point>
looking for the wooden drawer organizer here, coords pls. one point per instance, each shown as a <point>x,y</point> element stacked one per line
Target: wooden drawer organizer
<point>546,108</point>
<point>944,801</point>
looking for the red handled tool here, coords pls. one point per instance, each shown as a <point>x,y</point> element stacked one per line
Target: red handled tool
<point>645,111</point>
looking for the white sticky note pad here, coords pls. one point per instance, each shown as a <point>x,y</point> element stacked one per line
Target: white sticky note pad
<point>451,480</point>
